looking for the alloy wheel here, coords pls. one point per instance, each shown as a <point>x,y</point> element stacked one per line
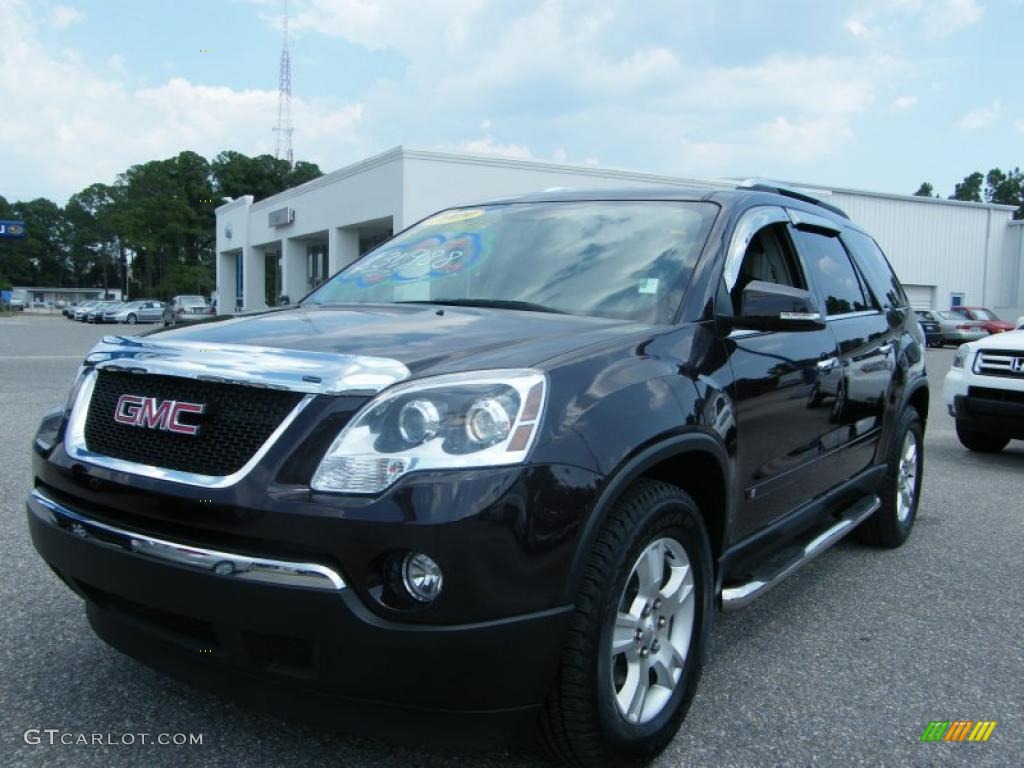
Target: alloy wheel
<point>653,625</point>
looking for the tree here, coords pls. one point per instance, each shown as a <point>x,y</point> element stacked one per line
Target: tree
<point>41,257</point>
<point>969,189</point>
<point>1006,188</point>
<point>236,174</point>
<point>925,190</point>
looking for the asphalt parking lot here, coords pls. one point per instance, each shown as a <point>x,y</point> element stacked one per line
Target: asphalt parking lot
<point>843,664</point>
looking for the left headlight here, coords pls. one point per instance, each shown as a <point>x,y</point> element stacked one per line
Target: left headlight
<point>474,419</point>
<point>960,358</point>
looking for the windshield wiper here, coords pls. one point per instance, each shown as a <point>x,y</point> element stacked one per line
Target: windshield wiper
<point>527,306</point>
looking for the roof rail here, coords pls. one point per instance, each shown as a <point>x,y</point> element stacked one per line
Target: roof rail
<point>781,189</point>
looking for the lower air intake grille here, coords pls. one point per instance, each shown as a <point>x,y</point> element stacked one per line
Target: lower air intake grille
<point>237,420</point>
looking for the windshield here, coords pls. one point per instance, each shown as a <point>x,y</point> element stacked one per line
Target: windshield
<point>627,260</point>
<point>191,301</point>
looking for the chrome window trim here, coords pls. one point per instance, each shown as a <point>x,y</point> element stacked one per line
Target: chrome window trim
<point>847,315</point>
<point>224,564</point>
<point>750,223</point>
<point>803,218</point>
<point>317,373</point>
<point>75,447</point>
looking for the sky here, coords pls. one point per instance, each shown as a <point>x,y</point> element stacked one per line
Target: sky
<point>869,94</point>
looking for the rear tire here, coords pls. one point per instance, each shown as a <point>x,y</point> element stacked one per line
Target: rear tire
<point>638,623</point>
<point>900,493</point>
<point>980,442</point>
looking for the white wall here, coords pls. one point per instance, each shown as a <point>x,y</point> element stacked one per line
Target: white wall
<point>958,248</point>
<point>436,180</point>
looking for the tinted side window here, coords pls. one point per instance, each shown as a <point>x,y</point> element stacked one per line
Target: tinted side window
<point>832,273</point>
<point>876,269</point>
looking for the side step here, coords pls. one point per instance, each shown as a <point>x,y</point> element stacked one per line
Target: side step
<point>792,558</point>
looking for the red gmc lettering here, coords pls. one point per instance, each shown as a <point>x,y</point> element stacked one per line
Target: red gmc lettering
<point>138,411</point>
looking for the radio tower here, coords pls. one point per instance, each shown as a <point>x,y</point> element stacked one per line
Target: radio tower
<point>284,127</point>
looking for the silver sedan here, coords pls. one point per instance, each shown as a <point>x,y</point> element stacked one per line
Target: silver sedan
<point>956,329</point>
<point>134,312</point>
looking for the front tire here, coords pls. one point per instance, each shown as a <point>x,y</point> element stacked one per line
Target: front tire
<point>980,442</point>
<point>636,641</point>
<point>891,524</point>
<point>132,319</point>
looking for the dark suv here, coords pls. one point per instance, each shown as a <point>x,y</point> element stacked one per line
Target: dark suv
<point>502,470</point>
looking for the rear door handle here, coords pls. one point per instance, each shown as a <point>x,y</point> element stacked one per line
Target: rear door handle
<point>886,348</point>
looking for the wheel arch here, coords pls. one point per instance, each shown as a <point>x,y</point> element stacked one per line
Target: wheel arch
<point>696,462</point>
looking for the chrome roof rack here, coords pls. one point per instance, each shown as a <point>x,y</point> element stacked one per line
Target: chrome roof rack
<point>763,185</point>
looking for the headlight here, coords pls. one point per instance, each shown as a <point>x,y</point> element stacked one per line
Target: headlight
<point>960,358</point>
<point>475,419</point>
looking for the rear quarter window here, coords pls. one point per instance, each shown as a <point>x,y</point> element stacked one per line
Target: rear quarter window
<point>876,269</point>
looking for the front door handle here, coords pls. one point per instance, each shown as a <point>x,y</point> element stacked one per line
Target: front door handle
<point>828,364</point>
<point>886,348</point>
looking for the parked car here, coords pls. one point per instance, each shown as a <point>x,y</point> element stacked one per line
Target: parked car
<point>984,391</point>
<point>986,317</point>
<point>95,313</point>
<point>17,304</point>
<point>957,329</point>
<point>132,312</point>
<point>69,309</point>
<point>186,309</point>
<point>931,326</point>
<point>83,308</point>
<point>519,495</point>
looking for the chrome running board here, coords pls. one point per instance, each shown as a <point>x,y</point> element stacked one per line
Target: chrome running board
<point>792,558</point>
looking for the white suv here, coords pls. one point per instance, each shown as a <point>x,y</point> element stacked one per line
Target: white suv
<point>984,390</point>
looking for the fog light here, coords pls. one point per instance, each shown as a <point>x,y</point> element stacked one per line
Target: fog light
<point>421,577</point>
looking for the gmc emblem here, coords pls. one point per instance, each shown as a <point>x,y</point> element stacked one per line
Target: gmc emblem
<point>139,411</point>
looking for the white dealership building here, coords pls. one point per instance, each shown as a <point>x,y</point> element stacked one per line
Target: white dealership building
<point>946,252</point>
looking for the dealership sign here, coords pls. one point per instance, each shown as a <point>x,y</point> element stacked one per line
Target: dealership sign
<point>12,229</point>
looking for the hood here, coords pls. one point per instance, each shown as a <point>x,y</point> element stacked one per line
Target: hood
<point>1010,340</point>
<point>425,338</point>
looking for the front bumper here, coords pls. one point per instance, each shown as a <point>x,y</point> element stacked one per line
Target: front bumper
<point>985,403</point>
<point>313,646</point>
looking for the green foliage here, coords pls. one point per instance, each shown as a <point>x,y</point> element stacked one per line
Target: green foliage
<point>969,189</point>
<point>925,190</point>
<point>1006,188</point>
<point>159,217</point>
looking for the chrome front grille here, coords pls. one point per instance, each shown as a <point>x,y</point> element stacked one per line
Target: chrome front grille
<point>997,362</point>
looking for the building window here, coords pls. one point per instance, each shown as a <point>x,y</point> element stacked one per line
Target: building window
<point>317,269</point>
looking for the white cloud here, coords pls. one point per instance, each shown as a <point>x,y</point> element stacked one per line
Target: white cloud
<point>857,28</point>
<point>980,118</point>
<point>943,18</point>
<point>487,146</point>
<point>64,16</point>
<point>905,102</point>
<point>1019,125</point>
<point>75,125</point>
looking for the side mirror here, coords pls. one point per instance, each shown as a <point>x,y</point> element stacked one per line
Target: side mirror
<point>773,307</point>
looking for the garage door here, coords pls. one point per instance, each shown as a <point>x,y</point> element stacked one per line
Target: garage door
<point>920,296</point>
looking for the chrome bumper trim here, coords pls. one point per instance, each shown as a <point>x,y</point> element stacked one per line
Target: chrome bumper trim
<point>281,573</point>
<point>74,445</point>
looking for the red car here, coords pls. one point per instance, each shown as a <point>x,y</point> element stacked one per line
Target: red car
<point>992,323</point>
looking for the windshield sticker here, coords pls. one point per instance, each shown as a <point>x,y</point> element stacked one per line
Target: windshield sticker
<point>648,285</point>
<point>450,217</point>
<point>431,257</point>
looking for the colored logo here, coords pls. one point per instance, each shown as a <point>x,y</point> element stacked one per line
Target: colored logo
<point>12,229</point>
<point>958,730</point>
<point>138,411</point>
<point>1017,365</point>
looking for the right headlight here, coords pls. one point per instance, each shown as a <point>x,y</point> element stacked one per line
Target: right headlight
<point>473,419</point>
